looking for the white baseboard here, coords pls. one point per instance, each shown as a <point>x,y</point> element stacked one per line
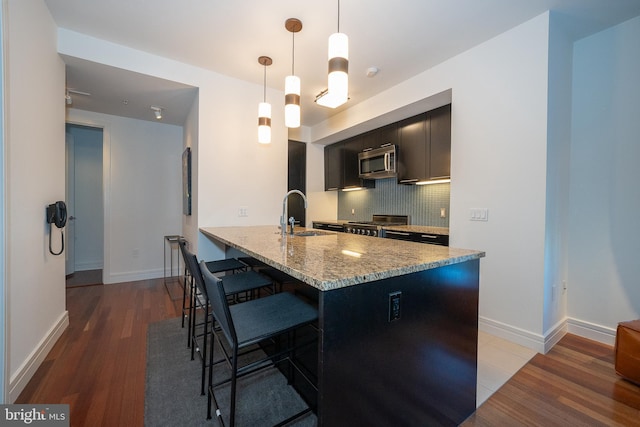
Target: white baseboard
<point>28,368</point>
<point>544,343</point>
<point>540,343</point>
<point>110,278</point>
<point>592,331</point>
<point>90,265</point>
<point>512,333</point>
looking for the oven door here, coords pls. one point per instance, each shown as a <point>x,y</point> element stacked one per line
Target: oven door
<point>378,163</point>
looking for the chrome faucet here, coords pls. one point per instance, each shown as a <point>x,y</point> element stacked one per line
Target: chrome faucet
<point>283,218</point>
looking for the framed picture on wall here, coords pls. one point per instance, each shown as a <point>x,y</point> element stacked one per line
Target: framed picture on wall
<point>186,181</point>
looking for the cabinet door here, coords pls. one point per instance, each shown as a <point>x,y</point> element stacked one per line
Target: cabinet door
<point>387,135</point>
<point>412,143</point>
<point>439,155</point>
<point>352,147</point>
<point>333,166</point>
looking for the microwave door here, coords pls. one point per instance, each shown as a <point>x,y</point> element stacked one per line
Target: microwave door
<point>373,165</point>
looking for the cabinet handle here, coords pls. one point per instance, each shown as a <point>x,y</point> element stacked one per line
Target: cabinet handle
<point>332,188</point>
<point>337,227</point>
<point>427,236</point>
<point>398,233</point>
<point>388,144</point>
<point>408,180</point>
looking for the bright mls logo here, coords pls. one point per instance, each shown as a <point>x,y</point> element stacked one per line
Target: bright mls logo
<point>34,415</point>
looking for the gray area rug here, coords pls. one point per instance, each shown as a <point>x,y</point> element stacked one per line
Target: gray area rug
<point>172,390</point>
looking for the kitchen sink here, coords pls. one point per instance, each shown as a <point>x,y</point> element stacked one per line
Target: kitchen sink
<point>311,233</point>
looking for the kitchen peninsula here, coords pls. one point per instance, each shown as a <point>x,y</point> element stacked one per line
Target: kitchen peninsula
<point>398,322</point>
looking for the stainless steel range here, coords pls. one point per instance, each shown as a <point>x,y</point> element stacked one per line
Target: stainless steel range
<point>374,227</point>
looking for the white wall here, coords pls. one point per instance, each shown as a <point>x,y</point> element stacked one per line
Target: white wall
<point>34,178</point>
<point>604,244</point>
<point>557,185</point>
<point>233,169</point>
<point>499,138</point>
<point>190,222</point>
<point>143,192</point>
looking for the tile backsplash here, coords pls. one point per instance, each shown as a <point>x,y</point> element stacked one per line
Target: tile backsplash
<point>421,202</point>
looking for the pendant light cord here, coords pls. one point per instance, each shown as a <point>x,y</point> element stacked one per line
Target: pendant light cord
<point>264,95</point>
<point>338,15</point>
<point>293,52</point>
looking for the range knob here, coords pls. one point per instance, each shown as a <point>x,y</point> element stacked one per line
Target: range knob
<point>374,233</point>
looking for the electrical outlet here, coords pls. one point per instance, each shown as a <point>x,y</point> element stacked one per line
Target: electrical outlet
<point>353,211</point>
<point>443,212</point>
<point>395,299</point>
<point>243,211</point>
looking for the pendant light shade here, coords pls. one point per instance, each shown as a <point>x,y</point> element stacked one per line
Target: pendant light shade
<point>292,102</point>
<point>339,68</point>
<point>292,82</point>
<point>264,123</point>
<point>264,108</point>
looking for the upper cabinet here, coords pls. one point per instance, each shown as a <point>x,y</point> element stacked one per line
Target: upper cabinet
<point>440,143</point>
<point>424,151</point>
<point>333,164</point>
<point>424,148</point>
<point>412,149</point>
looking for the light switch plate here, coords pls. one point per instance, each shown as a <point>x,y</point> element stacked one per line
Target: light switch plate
<point>479,214</point>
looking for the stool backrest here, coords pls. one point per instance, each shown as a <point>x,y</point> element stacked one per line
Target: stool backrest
<point>219,305</point>
<point>191,261</point>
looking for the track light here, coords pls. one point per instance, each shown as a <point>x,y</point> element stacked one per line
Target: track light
<point>157,111</point>
<point>264,109</point>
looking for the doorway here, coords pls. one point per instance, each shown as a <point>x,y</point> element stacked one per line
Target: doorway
<point>85,202</point>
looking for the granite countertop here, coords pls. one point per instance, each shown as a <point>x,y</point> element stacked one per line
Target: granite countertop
<point>336,260</point>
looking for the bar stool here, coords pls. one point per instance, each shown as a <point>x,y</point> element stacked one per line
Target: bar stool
<point>246,281</point>
<point>249,323</point>
<point>219,266</point>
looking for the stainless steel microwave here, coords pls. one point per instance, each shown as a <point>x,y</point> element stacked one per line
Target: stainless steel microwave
<point>377,163</point>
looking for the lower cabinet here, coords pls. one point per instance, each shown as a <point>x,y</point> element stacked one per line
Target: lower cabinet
<point>433,239</point>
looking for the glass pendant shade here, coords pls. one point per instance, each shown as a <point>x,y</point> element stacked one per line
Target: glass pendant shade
<point>339,68</point>
<point>292,102</point>
<point>264,123</point>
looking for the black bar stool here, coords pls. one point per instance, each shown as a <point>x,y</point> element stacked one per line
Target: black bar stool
<point>241,282</point>
<point>244,325</point>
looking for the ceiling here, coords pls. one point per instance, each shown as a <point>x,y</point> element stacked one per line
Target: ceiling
<point>401,38</point>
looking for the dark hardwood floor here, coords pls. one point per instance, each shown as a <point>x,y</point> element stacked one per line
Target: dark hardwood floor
<point>98,368</point>
<point>574,384</point>
<point>98,365</point>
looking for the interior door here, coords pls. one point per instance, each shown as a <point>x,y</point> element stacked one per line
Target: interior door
<point>70,258</point>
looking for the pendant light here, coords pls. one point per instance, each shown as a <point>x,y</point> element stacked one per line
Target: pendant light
<point>338,66</point>
<point>264,109</point>
<point>292,82</point>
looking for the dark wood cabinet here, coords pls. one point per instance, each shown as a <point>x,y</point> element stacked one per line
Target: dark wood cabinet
<point>424,148</point>
<point>352,147</point>
<point>341,165</point>
<point>440,143</point>
<point>424,151</point>
<point>333,161</point>
<point>433,239</point>
<point>379,137</point>
<point>412,145</point>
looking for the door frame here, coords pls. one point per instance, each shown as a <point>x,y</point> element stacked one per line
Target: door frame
<point>106,189</point>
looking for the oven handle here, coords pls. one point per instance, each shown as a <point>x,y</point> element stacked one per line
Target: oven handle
<point>387,162</point>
